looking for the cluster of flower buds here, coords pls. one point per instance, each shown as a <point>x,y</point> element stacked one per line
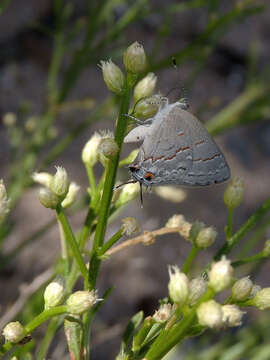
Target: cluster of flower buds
<point>57,188</point>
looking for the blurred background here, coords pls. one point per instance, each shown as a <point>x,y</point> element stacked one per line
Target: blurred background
<point>53,98</point>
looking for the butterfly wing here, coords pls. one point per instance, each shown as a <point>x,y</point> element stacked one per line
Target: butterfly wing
<point>181,151</point>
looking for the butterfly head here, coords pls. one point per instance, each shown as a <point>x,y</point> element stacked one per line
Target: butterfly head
<point>144,176</point>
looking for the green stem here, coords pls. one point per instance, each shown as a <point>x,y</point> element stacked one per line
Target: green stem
<point>48,337</point>
<point>64,248</point>
<point>111,242</point>
<point>191,256</point>
<point>248,259</point>
<point>109,185</point>
<point>92,180</point>
<point>37,321</point>
<point>72,242</point>
<point>229,227</point>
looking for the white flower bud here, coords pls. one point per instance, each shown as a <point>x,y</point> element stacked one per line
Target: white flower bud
<point>9,119</point>
<point>135,58</point>
<point>163,313</point>
<point>233,195</point>
<point>14,332</point>
<point>89,152</point>
<point>54,293</point>
<point>206,237</point>
<point>147,107</point>
<point>145,87</point>
<point>262,299</point>
<point>48,198</point>
<point>210,314</point>
<point>81,301</point>
<point>113,77</point>
<point>4,201</point>
<point>130,226</point>
<point>128,193</point>
<point>221,275</point>
<point>108,148</point>
<point>60,182</point>
<point>241,289</point>
<point>232,315</point>
<point>178,221</point>
<point>197,288</point>
<point>178,285</point>
<point>42,178</point>
<point>71,195</point>
<point>171,193</point>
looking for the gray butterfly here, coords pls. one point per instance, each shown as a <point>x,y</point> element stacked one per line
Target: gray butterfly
<point>176,150</point>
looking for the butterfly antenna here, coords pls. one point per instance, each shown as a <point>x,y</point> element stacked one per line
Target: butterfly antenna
<point>125,183</point>
<point>141,195</point>
<point>184,98</point>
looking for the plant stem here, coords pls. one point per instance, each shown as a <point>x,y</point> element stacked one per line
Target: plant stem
<point>248,259</point>
<point>111,242</point>
<point>229,227</point>
<point>109,185</point>
<point>92,180</point>
<point>48,337</point>
<point>191,256</point>
<point>72,242</point>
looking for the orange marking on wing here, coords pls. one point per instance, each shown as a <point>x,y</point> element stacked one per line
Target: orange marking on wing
<point>206,159</point>
<point>199,142</point>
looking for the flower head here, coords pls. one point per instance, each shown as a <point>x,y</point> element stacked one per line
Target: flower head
<point>145,87</point>
<point>210,314</point>
<point>178,285</point>
<point>113,77</point>
<point>135,58</point>
<point>221,275</point>
<point>81,301</point>
<point>232,315</point>
<point>54,293</point>
<point>14,332</point>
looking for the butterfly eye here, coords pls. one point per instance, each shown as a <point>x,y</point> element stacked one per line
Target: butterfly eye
<point>149,176</point>
<point>133,168</point>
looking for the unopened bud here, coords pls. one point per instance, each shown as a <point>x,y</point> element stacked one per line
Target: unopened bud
<point>128,193</point>
<point>221,275</point>
<point>89,152</point>
<point>42,178</point>
<point>14,332</point>
<point>145,87</point>
<point>206,237</point>
<point>108,148</point>
<point>232,315</point>
<point>81,301</point>
<point>54,293</point>
<point>197,288</point>
<point>130,226</point>
<point>266,249</point>
<point>255,289</point>
<point>210,314</point>
<point>48,198</point>
<point>4,201</point>
<point>147,107</point>
<point>113,77</point>
<point>60,182</point>
<point>171,193</point>
<point>135,58</point>
<point>9,119</point>
<point>262,299</point>
<point>179,221</point>
<point>148,238</point>
<point>233,195</point>
<point>241,289</point>
<point>178,285</point>
<point>71,195</point>
<point>163,313</point>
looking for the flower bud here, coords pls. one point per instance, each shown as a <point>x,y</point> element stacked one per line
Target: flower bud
<point>89,152</point>
<point>128,193</point>
<point>206,237</point>
<point>60,182</point>
<point>71,195</point>
<point>148,238</point>
<point>145,87</point>
<point>232,315</point>
<point>147,107</point>
<point>54,293</point>
<point>42,178</point>
<point>233,195</point>
<point>178,221</point>
<point>108,148</point>
<point>48,198</point>
<point>221,275</point>
<point>197,288</point>
<point>81,301</point>
<point>4,201</point>
<point>113,77</point>
<point>255,289</point>
<point>9,119</point>
<point>178,285</point>
<point>210,314</point>
<point>14,332</point>
<point>241,289</point>
<point>135,58</point>
<point>130,226</point>
<point>262,299</point>
<point>163,313</point>
<point>266,249</point>
<point>171,193</point>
